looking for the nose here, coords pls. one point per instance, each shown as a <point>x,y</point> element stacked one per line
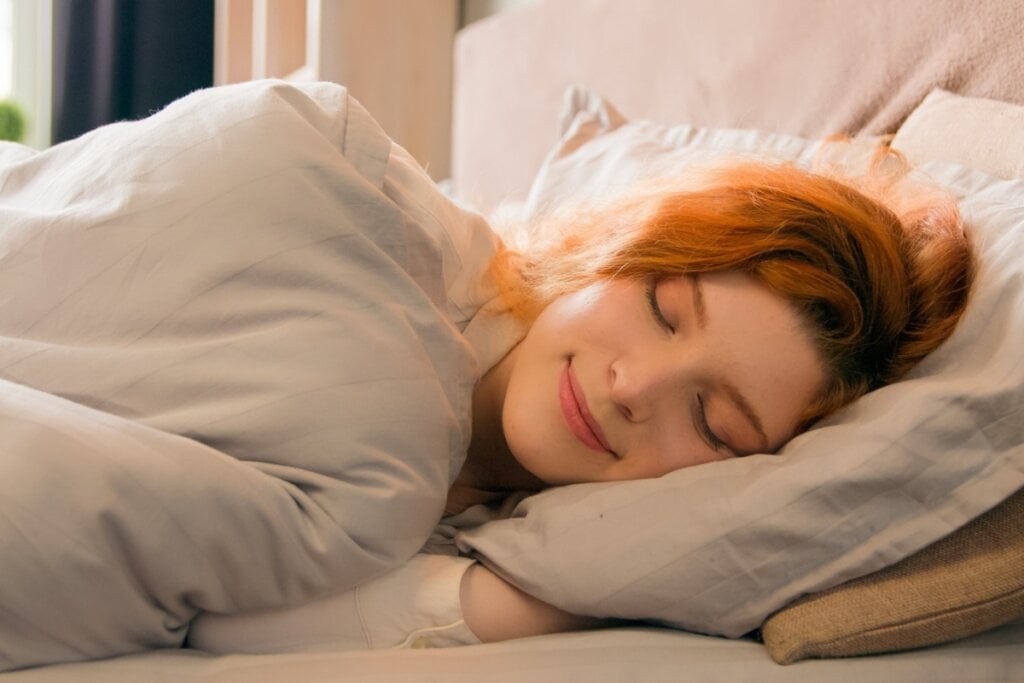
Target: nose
<point>639,385</point>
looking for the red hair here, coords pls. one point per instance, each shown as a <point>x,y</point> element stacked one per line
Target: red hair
<point>879,269</point>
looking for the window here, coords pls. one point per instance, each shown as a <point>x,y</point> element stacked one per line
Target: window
<point>6,47</point>
<point>25,62</point>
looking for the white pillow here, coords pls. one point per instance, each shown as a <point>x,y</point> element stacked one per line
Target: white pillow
<point>719,547</point>
<point>600,152</point>
<point>973,131</point>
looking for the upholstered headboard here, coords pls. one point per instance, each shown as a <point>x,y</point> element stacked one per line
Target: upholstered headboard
<point>793,66</point>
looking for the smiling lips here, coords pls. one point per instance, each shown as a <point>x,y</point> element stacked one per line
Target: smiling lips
<point>577,415</point>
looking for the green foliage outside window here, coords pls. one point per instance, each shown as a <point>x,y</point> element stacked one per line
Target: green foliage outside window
<point>12,121</point>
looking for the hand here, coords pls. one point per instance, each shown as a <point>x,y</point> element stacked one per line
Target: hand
<point>496,610</point>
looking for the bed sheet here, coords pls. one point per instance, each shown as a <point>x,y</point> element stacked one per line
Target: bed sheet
<point>648,654</point>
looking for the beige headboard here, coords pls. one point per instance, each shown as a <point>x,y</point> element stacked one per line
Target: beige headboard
<point>806,67</point>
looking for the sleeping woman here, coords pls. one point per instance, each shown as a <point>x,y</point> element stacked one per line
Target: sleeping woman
<point>668,328</point>
<point>673,326</point>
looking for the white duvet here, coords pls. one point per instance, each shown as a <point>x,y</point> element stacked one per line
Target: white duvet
<point>234,361</point>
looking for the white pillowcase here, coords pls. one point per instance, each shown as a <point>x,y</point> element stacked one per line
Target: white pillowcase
<point>719,547</point>
<point>600,153</point>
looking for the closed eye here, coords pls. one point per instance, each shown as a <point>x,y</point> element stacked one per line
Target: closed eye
<point>652,303</point>
<point>705,429</point>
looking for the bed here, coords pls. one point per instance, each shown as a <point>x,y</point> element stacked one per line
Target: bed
<point>582,93</point>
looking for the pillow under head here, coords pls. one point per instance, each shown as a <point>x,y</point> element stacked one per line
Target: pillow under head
<point>719,547</point>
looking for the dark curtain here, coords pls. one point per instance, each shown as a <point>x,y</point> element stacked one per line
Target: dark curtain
<point>124,59</point>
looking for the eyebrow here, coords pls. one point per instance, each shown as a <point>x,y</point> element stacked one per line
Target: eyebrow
<point>698,301</point>
<point>734,394</point>
<point>748,411</point>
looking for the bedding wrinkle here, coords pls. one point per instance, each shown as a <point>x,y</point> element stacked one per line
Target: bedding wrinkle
<point>365,143</point>
<point>205,428</point>
<point>94,274</point>
<point>90,564</point>
<point>254,266</point>
<point>1001,428</point>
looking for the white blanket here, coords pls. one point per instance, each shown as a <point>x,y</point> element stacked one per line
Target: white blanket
<point>234,361</point>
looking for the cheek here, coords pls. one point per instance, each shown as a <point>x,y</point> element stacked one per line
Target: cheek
<point>677,449</point>
<point>515,422</point>
<point>589,314</point>
<point>529,416</point>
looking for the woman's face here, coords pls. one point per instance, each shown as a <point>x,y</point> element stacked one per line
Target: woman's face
<point>631,380</point>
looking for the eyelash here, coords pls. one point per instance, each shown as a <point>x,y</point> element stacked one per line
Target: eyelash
<point>705,429</point>
<point>652,303</point>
